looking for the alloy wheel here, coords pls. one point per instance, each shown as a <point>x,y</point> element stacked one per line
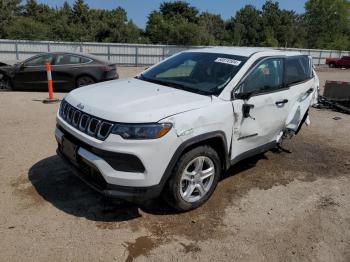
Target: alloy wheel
<point>197,179</point>
<point>85,80</point>
<point>5,83</point>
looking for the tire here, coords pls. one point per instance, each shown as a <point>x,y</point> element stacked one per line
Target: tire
<point>331,65</point>
<point>84,81</point>
<point>186,179</point>
<point>5,83</point>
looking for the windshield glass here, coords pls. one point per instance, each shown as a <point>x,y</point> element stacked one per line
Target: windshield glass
<point>203,73</point>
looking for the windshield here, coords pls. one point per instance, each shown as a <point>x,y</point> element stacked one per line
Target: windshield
<point>203,73</point>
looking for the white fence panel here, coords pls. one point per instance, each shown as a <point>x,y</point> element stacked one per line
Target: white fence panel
<point>123,54</point>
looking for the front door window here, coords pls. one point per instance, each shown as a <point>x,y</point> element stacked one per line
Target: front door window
<point>266,77</point>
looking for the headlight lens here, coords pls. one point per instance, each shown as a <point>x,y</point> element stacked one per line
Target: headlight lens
<point>142,131</point>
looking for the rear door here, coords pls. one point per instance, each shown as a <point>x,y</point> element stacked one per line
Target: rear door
<point>66,68</point>
<point>302,84</point>
<point>269,106</point>
<point>32,73</point>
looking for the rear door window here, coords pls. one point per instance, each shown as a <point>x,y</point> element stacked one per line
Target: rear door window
<point>64,59</point>
<point>298,69</point>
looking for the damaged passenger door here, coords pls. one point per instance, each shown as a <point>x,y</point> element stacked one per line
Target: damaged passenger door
<point>303,85</point>
<point>261,106</point>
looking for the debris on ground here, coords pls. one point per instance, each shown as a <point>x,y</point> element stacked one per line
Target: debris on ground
<point>336,96</point>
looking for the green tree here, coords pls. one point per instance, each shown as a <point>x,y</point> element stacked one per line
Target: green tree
<point>248,25</point>
<point>327,23</point>
<point>212,27</point>
<point>8,10</point>
<point>80,21</point>
<point>179,8</point>
<point>27,28</point>
<point>62,30</point>
<point>271,23</point>
<point>175,23</point>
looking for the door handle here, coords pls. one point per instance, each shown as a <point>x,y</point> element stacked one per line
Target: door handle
<point>281,102</point>
<point>310,91</point>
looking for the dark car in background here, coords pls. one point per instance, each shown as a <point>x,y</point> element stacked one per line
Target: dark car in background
<point>69,71</point>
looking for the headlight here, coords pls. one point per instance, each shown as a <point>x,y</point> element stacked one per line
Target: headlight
<point>141,131</point>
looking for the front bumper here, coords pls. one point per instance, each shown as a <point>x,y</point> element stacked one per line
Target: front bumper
<point>110,166</point>
<point>91,176</point>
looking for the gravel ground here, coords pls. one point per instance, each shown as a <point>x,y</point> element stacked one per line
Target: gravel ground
<point>277,206</point>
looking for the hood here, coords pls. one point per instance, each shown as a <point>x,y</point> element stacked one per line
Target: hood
<point>8,62</point>
<point>134,101</point>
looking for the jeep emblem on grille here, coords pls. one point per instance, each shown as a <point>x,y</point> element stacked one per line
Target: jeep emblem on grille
<point>80,106</point>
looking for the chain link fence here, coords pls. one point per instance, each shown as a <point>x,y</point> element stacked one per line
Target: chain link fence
<point>124,54</point>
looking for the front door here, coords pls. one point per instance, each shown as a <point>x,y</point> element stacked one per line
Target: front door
<point>32,73</point>
<point>260,116</point>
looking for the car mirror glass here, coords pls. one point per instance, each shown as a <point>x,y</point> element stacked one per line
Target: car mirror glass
<point>243,96</point>
<point>239,93</point>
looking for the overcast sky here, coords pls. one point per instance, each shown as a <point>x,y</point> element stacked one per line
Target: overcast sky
<point>138,10</point>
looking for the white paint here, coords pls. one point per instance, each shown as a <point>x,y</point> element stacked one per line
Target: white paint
<point>136,101</point>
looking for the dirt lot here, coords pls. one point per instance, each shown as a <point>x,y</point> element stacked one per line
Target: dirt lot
<point>273,207</point>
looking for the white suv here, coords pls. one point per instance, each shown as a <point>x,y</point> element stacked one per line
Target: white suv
<point>175,128</point>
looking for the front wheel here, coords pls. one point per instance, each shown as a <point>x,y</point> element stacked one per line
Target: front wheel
<point>5,83</point>
<point>194,178</point>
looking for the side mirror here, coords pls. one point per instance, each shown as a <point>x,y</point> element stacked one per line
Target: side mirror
<point>18,66</point>
<point>242,96</point>
<point>240,93</point>
<point>246,110</point>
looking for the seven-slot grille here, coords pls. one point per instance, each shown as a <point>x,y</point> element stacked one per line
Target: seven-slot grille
<point>86,123</point>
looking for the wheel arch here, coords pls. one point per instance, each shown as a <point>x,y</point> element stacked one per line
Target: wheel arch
<point>8,75</point>
<point>82,75</point>
<point>216,139</point>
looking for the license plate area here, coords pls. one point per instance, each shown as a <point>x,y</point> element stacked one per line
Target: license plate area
<point>69,149</point>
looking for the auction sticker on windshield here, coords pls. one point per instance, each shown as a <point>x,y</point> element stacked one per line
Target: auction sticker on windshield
<point>228,61</point>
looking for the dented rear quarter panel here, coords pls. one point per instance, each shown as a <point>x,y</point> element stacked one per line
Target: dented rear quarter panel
<point>300,101</point>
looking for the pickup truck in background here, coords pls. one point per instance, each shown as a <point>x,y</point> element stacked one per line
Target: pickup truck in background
<point>344,61</point>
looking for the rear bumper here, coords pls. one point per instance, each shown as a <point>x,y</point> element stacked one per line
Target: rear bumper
<point>90,175</point>
<point>111,75</point>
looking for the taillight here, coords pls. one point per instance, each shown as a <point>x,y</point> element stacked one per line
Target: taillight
<point>109,68</point>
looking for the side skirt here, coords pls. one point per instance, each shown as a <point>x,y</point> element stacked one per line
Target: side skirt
<point>253,152</point>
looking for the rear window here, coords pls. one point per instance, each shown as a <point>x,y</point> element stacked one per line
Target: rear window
<point>298,69</point>
<point>64,59</point>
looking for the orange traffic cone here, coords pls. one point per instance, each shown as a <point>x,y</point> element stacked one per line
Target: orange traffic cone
<point>51,99</point>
